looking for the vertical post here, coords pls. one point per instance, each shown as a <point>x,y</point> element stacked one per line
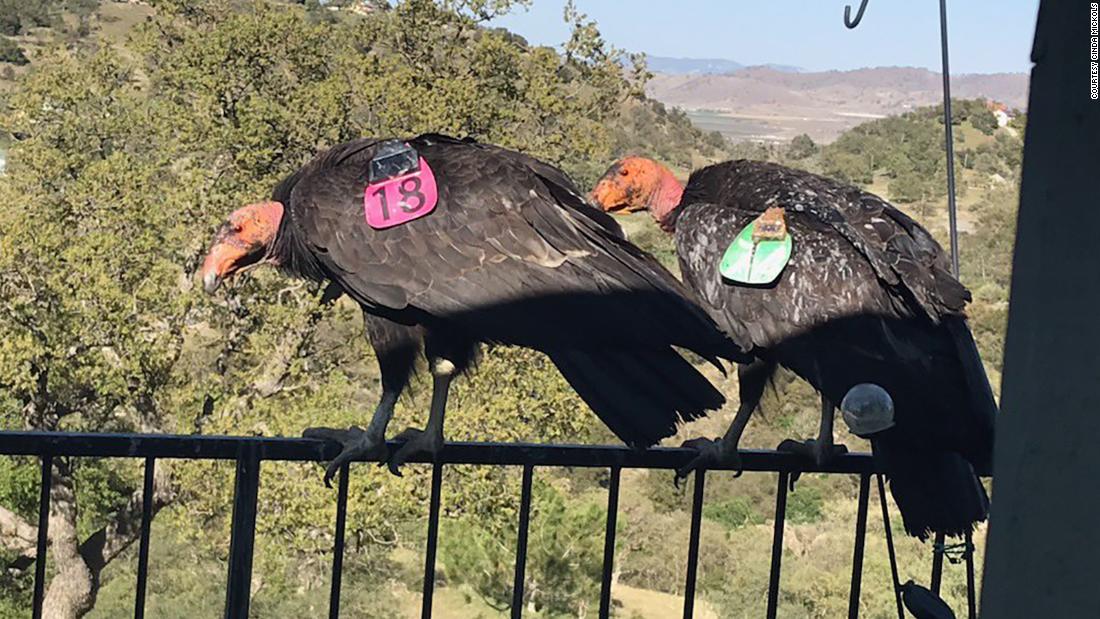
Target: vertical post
<point>937,562</point>
<point>1040,556</point>
<point>143,543</point>
<point>857,554</point>
<point>777,543</point>
<point>43,536</point>
<point>433,539</point>
<point>949,148</point>
<point>890,546</point>
<point>693,544</point>
<point>338,544</point>
<point>521,541</point>
<point>949,143</point>
<point>971,594</point>
<point>243,532</point>
<point>609,542</point>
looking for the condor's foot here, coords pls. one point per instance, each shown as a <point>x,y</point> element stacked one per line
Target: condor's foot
<point>357,445</point>
<point>818,452</point>
<point>710,453</point>
<point>416,442</point>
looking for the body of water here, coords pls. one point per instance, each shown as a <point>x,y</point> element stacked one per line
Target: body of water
<point>735,128</point>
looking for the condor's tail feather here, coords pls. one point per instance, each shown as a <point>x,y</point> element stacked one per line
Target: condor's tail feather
<point>982,410</point>
<point>936,491</point>
<point>640,395</point>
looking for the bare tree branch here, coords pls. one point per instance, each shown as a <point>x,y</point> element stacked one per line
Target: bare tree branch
<point>103,546</point>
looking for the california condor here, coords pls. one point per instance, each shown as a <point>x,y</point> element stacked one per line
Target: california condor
<point>866,296</point>
<point>507,252</point>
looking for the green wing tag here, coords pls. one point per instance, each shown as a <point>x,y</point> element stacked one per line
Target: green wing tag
<point>760,262</point>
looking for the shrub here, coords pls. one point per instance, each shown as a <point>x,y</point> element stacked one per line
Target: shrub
<point>11,52</point>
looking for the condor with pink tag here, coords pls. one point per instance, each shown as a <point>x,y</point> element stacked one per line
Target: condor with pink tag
<point>401,186</point>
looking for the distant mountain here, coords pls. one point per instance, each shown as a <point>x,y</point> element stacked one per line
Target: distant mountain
<point>781,103</point>
<point>782,68</point>
<point>691,66</point>
<point>704,66</point>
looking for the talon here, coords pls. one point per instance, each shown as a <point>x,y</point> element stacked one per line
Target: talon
<point>330,472</point>
<point>685,471</point>
<point>711,453</point>
<point>415,442</point>
<point>393,466</point>
<point>356,443</point>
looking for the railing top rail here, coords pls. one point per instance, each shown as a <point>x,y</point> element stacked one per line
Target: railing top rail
<point>301,449</point>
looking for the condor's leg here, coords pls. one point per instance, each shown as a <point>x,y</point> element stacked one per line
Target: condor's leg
<point>448,356</point>
<point>822,449</point>
<point>430,439</point>
<point>751,379</point>
<point>395,346</point>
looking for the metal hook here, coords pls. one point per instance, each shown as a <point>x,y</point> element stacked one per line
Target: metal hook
<point>859,14</point>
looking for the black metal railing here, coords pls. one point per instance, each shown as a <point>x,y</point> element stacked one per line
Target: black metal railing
<point>249,452</point>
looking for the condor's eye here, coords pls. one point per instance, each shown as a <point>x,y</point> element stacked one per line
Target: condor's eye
<point>623,172</point>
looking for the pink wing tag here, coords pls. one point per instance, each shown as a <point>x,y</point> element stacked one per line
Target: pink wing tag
<point>401,199</point>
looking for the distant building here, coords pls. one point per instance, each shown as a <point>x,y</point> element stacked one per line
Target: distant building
<point>1001,112</point>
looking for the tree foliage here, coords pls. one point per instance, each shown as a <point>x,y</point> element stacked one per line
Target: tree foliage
<point>563,561</point>
<point>19,16</point>
<point>802,146</point>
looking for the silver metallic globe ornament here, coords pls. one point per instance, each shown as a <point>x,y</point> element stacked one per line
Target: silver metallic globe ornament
<point>867,409</point>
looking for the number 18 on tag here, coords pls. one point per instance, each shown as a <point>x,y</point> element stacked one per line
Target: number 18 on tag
<point>401,199</point>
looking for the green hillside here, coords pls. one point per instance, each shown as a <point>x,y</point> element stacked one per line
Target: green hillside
<point>138,128</point>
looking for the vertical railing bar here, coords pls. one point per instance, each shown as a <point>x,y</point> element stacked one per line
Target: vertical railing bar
<point>890,546</point>
<point>143,540</point>
<point>693,544</point>
<point>242,536</point>
<point>937,563</point>
<point>43,536</point>
<point>338,543</point>
<point>433,539</point>
<point>857,553</point>
<point>971,596</point>
<point>521,541</point>
<point>609,542</point>
<point>949,145</point>
<point>777,543</point>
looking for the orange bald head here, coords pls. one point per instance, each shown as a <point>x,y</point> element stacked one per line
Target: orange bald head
<point>244,240</point>
<point>636,183</point>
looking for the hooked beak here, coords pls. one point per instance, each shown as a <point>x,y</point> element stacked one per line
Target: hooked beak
<point>226,257</point>
<point>210,282</point>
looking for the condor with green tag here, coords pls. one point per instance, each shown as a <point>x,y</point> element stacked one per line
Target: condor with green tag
<point>760,251</point>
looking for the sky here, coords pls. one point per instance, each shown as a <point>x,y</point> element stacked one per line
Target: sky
<point>985,36</point>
